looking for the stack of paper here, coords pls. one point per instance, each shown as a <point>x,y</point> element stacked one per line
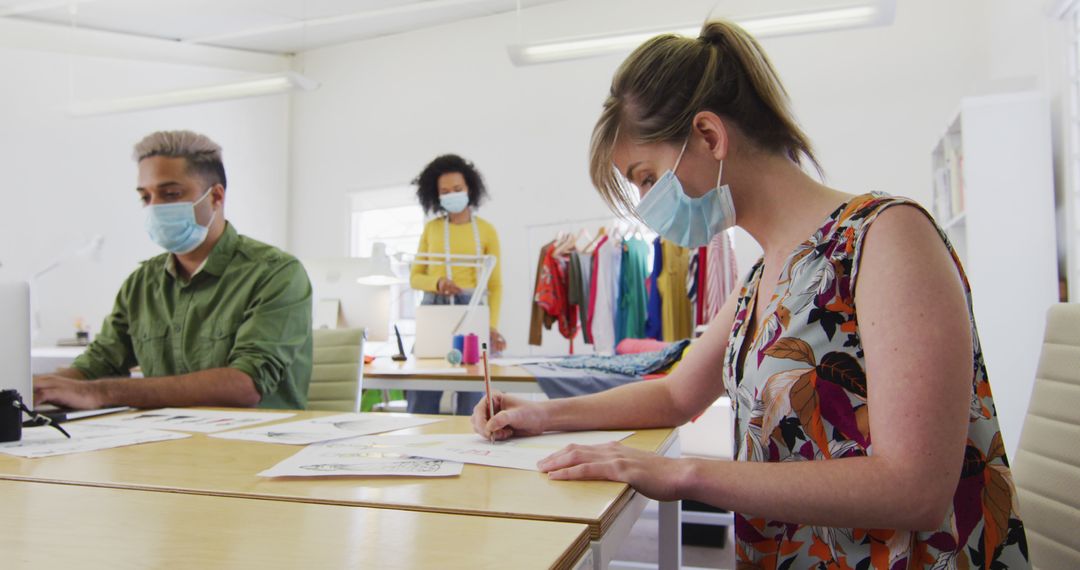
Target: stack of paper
<point>46,441</point>
<point>328,428</point>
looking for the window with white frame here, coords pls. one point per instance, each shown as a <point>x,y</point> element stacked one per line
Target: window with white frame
<point>391,216</point>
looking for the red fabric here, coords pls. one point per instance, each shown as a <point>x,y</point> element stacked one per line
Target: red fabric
<point>552,294</point>
<point>592,284</point>
<point>639,345</point>
<point>702,277</point>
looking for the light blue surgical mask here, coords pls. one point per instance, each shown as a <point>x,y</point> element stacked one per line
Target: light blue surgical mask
<point>680,219</point>
<point>173,226</point>
<point>455,202</point>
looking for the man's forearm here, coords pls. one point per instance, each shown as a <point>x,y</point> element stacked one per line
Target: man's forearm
<point>214,387</point>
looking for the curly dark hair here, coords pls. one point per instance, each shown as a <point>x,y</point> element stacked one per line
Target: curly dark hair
<point>427,183</point>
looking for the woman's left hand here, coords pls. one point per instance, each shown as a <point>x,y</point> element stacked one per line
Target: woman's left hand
<point>652,475</point>
<point>498,343</point>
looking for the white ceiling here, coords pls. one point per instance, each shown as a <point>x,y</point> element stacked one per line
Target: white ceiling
<point>271,26</point>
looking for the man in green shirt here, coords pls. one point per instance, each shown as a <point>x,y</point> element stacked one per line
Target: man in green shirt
<point>218,320</point>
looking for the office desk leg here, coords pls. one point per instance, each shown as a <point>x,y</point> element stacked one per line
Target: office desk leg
<point>670,532</point>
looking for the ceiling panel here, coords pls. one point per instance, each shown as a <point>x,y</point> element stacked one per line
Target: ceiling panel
<point>276,26</point>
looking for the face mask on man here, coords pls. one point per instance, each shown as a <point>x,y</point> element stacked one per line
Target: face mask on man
<point>455,202</point>
<point>173,226</point>
<point>680,219</point>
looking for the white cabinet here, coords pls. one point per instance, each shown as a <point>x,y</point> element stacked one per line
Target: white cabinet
<point>994,195</point>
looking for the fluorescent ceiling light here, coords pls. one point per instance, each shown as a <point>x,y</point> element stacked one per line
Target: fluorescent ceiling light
<point>267,85</point>
<point>776,25</point>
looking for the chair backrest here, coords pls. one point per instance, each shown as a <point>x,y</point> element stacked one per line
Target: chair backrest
<point>1047,463</point>
<point>337,370</point>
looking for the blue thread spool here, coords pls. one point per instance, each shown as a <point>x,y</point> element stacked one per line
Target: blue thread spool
<point>459,342</point>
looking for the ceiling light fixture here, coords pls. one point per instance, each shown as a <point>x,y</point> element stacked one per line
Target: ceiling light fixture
<point>863,15</point>
<point>266,85</point>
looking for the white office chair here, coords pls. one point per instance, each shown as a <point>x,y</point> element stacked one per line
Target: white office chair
<point>337,370</point>
<point>1047,463</point>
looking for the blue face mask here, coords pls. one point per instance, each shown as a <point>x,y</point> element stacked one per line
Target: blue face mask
<point>455,202</point>
<point>173,226</point>
<point>680,219</point>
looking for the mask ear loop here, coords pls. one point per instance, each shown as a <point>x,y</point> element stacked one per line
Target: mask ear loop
<point>681,153</point>
<point>212,216</point>
<point>720,175</point>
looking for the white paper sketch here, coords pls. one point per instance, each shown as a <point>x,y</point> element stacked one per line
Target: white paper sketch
<point>182,419</point>
<point>46,441</point>
<point>348,458</point>
<point>519,453</point>
<point>329,428</point>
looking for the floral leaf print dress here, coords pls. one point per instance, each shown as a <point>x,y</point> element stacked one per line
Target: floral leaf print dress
<point>800,395</point>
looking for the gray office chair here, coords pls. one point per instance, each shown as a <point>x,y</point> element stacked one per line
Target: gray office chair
<point>1046,468</point>
<point>337,370</point>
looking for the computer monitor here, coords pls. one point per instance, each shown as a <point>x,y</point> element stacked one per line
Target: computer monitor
<point>15,339</point>
<point>340,302</point>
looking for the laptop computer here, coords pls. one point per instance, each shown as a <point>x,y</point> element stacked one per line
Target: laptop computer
<point>435,327</point>
<point>15,339</point>
<point>15,371</point>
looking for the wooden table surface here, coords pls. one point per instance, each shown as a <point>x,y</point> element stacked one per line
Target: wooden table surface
<point>213,466</point>
<point>69,526</point>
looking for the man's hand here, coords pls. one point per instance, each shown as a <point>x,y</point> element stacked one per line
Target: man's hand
<point>498,343</point>
<point>68,393</point>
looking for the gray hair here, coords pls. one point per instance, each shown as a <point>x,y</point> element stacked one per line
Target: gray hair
<point>202,154</point>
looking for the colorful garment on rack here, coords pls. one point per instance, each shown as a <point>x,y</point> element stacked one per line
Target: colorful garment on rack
<point>608,269</point>
<point>632,297</point>
<point>592,286</point>
<point>701,279</point>
<point>654,323</point>
<point>692,284</point>
<point>630,364</point>
<point>586,264</point>
<point>676,311</point>
<point>552,293</point>
<point>800,394</point>
<point>539,319</point>
<point>722,274</point>
<point>577,295</point>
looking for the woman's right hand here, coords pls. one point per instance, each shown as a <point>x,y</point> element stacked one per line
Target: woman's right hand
<point>447,287</point>
<point>514,417</point>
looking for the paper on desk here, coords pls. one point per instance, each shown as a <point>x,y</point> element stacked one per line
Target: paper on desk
<point>349,458</point>
<point>328,428</point>
<point>181,419</point>
<point>518,453</point>
<point>46,441</point>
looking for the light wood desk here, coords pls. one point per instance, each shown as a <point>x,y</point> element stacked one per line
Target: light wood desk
<point>69,526</point>
<point>431,374</point>
<point>212,466</point>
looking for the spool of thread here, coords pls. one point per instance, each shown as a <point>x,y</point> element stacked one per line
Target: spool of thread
<point>470,354</point>
<point>459,343</point>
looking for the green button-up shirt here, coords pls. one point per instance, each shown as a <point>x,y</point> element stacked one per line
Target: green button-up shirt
<point>248,308</point>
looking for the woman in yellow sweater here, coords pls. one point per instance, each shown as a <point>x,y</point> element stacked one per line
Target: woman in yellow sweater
<point>451,187</point>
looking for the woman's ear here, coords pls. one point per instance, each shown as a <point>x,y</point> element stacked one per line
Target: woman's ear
<point>713,132</point>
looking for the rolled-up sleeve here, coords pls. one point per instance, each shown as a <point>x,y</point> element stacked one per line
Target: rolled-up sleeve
<point>275,334</point>
<point>111,354</point>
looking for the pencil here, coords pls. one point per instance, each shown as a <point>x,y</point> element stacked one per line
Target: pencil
<point>487,386</point>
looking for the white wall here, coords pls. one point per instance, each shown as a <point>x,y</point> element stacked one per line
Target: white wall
<point>872,100</point>
<point>63,180</point>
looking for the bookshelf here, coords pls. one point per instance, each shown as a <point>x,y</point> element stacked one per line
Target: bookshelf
<point>993,195</point>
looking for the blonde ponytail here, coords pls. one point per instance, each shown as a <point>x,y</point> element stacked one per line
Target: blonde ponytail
<point>666,81</point>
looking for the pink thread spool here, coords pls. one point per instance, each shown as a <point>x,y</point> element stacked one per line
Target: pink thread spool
<point>471,353</point>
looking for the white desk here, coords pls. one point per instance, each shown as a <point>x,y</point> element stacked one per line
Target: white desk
<point>46,359</point>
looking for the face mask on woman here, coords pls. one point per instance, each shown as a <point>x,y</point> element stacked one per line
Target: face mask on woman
<point>173,226</point>
<point>680,219</point>
<point>455,202</point>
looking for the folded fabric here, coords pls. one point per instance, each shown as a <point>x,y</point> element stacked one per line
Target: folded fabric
<point>629,364</point>
<point>559,382</point>
<point>639,345</point>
